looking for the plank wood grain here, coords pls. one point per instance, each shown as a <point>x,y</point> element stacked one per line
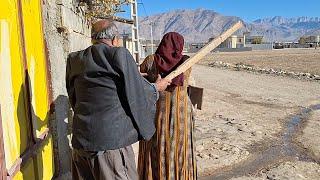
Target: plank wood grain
<point>204,51</point>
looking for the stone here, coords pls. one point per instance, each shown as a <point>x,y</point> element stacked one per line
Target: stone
<point>246,153</point>
<point>67,3</point>
<point>204,156</point>
<point>72,21</point>
<point>213,156</point>
<point>224,148</point>
<point>236,150</point>
<point>316,77</point>
<point>239,129</point>
<point>75,38</point>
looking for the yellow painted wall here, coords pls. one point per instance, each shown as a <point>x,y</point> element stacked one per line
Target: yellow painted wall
<point>13,88</point>
<point>11,96</point>
<point>34,46</point>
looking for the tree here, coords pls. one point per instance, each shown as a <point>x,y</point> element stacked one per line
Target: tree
<point>257,40</point>
<point>102,8</point>
<point>302,40</point>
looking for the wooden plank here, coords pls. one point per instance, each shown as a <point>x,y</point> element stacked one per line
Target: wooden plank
<point>204,51</point>
<point>3,169</point>
<point>29,153</point>
<point>117,19</point>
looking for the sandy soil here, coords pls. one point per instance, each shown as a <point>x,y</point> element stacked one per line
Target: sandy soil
<point>295,60</point>
<point>243,111</point>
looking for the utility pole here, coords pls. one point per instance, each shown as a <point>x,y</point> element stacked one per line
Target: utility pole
<point>135,31</point>
<point>151,33</point>
<point>271,40</point>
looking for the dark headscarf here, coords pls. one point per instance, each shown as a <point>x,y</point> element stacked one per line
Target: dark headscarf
<point>169,56</point>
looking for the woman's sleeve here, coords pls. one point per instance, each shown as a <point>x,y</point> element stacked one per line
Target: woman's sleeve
<point>149,67</point>
<point>144,65</point>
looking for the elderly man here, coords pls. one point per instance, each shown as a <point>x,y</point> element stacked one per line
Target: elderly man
<point>114,107</point>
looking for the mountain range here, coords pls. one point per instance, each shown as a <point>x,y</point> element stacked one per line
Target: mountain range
<point>200,24</point>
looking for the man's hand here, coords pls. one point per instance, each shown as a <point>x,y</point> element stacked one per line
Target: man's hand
<point>162,84</point>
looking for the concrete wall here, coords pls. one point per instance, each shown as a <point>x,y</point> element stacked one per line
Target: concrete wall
<point>260,46</point>
<point>66,30</point>
<point>233,41</point>
<point>195,48</point>
<point>241,49</point>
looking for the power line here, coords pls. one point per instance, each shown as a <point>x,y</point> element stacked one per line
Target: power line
<point>151,24</point>
<point>141,3</point>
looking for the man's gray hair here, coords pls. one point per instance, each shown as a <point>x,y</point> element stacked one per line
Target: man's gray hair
<point>107,33</point>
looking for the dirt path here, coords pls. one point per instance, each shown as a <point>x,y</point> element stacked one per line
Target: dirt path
<point>249,125</point>
<point>296,60</point>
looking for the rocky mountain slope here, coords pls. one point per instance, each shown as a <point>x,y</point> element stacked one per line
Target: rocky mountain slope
<point>201,24</point>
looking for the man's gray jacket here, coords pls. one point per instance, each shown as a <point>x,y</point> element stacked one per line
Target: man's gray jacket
<point>114,106</point>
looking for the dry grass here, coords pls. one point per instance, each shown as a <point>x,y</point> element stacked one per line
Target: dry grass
<point>296,60</point>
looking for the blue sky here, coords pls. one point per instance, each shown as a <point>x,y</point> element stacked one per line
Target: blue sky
<point>248,10</point>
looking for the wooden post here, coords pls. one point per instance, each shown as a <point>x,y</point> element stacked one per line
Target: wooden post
<point>204,51</point>
<point>3,169</point>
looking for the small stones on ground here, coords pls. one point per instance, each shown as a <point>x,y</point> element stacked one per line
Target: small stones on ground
<point>251,68</point>
<point>236,150</point>
<point>246,153</point>
<point>224,148</point>
<point>213,156</point>
<point>204,156</point>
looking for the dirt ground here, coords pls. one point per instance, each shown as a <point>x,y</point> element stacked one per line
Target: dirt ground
<point>294,60</point>
<point>251,126</point>
<point>310,133</point>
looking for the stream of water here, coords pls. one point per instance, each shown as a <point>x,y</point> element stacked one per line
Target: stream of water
<point>284,148</point>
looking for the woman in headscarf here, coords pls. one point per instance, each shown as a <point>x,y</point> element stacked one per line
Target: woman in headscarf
<point>170,153</point>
